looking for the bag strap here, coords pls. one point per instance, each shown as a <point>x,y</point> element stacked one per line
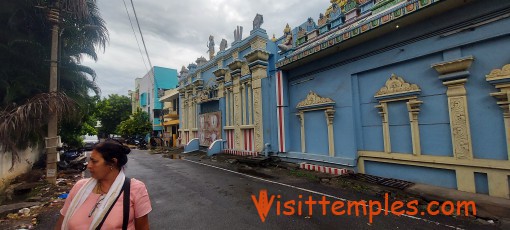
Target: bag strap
<point>125,187</point>
<point>126,206</point>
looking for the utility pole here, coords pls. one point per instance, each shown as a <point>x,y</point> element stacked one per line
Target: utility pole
<point>52,140</point>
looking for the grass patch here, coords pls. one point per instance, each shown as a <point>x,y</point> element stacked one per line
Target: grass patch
<point>303,174</point>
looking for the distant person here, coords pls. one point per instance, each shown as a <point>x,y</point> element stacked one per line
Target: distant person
<point>98,202</point>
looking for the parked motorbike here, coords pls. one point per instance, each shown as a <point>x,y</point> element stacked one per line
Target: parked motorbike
<point>73,159</point>
<point>142,145</point>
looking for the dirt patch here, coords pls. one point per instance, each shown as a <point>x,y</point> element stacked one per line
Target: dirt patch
<point>33,188</point>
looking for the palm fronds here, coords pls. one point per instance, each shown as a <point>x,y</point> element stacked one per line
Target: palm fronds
<point>19,124</point>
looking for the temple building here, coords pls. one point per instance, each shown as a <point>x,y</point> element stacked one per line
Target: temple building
<point>416,90</point>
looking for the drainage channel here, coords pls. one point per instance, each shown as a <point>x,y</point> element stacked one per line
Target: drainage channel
<point>388,182</point>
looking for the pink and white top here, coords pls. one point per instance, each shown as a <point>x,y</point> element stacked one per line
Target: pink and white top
<point>140,206</point>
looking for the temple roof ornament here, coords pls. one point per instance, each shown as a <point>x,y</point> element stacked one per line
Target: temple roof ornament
<point>257,21</point>
<point>184,71</point>
<point>200,61</point>
<point>499,74</point>
<point>348,25</point>
<point>238,34</point>
<point>396,86</point>
<point>223,44</point>
<point>314,100</point>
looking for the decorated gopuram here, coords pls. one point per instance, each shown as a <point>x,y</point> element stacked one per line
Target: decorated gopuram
<point>416,90</point>
<point>222,99</point>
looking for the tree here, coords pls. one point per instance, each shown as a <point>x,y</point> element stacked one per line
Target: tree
<point>111,112</point>
<point>137,124</point>
<point>24,67</point>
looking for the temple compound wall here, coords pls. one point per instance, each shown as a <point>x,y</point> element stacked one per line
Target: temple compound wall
<point>416,90</point>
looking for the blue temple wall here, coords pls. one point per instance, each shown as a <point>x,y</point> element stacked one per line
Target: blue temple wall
<point>352,83</point>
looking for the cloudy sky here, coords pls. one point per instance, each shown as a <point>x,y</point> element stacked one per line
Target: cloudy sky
<point>176,32</point>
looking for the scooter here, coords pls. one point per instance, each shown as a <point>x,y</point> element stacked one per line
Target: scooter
<point>72,159</point>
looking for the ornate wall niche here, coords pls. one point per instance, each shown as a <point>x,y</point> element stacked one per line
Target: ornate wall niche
<point>397,89</point>
<point>313,100</point>
<point>316,102</point>
<point>500,78</point>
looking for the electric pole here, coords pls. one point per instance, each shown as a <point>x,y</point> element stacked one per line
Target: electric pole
<point>52,138</point>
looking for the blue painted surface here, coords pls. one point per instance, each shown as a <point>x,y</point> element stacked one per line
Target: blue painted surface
<point>400,129</point>
<point>216,147</point>
<point>481,183</point>
<point>164,78</point>
<point>351,77</point>
<point>316,132</point>
<point>193,145</point>
<point>485,115</point>
<point>438,177</point>
<point>143,99</point>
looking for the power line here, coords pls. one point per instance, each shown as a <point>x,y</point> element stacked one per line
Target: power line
<point>136,38</point>
<point>141,34</point>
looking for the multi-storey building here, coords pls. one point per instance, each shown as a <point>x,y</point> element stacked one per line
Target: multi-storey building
<point>148,91</point>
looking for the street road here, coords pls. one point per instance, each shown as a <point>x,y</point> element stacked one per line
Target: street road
<point>191,195</point>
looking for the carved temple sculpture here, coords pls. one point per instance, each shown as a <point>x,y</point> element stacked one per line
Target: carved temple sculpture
<point>257,21</point>
<point>315,102</point>
<point>210,45</point>
<point>223,44</point>
<point>238,34</point>
<point>396,89</point>
<point>287,41</point>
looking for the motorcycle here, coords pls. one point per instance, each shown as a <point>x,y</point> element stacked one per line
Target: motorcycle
<point>72,159</point>
<point>142,145</point>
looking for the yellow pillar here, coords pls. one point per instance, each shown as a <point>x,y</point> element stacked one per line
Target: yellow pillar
<point>465,180</point>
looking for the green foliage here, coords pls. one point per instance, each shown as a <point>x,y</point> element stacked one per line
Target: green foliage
<point>71,131</point>
<point>137,124</point>
<point>111,112</point>
<point>25,45</point>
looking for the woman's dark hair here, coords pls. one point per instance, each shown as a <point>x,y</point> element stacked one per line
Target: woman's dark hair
<point>110,149</point>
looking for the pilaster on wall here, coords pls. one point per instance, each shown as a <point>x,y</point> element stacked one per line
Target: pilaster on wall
<point>257,62</point>
<point>235,72</point>
<point>413,107</point>
<point>454,76</point>
<point>220,80</point>
<point>330,116</point>
<point>500,78</point>
<point>301,117</point>
<point>383,111</point>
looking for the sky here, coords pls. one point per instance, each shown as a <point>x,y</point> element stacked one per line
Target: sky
<point>176,32</point>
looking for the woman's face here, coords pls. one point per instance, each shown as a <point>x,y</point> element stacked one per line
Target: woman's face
<point>97,166</point>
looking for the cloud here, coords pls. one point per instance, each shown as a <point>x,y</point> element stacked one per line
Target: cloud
<point>176,32</point>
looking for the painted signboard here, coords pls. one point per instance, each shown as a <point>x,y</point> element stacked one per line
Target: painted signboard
<point>209,128</point>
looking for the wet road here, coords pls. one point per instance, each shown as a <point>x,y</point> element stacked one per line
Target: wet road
<point>191,195</point>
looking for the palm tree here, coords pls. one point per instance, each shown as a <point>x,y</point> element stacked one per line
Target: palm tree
<point>24,76</point>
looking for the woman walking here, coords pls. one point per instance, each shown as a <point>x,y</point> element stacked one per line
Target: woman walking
<point>100,202</point>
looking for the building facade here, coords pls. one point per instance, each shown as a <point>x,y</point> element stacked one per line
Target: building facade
<point>148,91</point>
<point>170,117</point>
<point>409,89</point>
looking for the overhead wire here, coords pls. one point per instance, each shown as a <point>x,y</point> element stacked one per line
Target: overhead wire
<point>141,34</point>
<point>136,37</point>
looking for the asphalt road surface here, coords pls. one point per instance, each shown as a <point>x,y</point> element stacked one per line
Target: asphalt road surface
<point>188,194</point>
